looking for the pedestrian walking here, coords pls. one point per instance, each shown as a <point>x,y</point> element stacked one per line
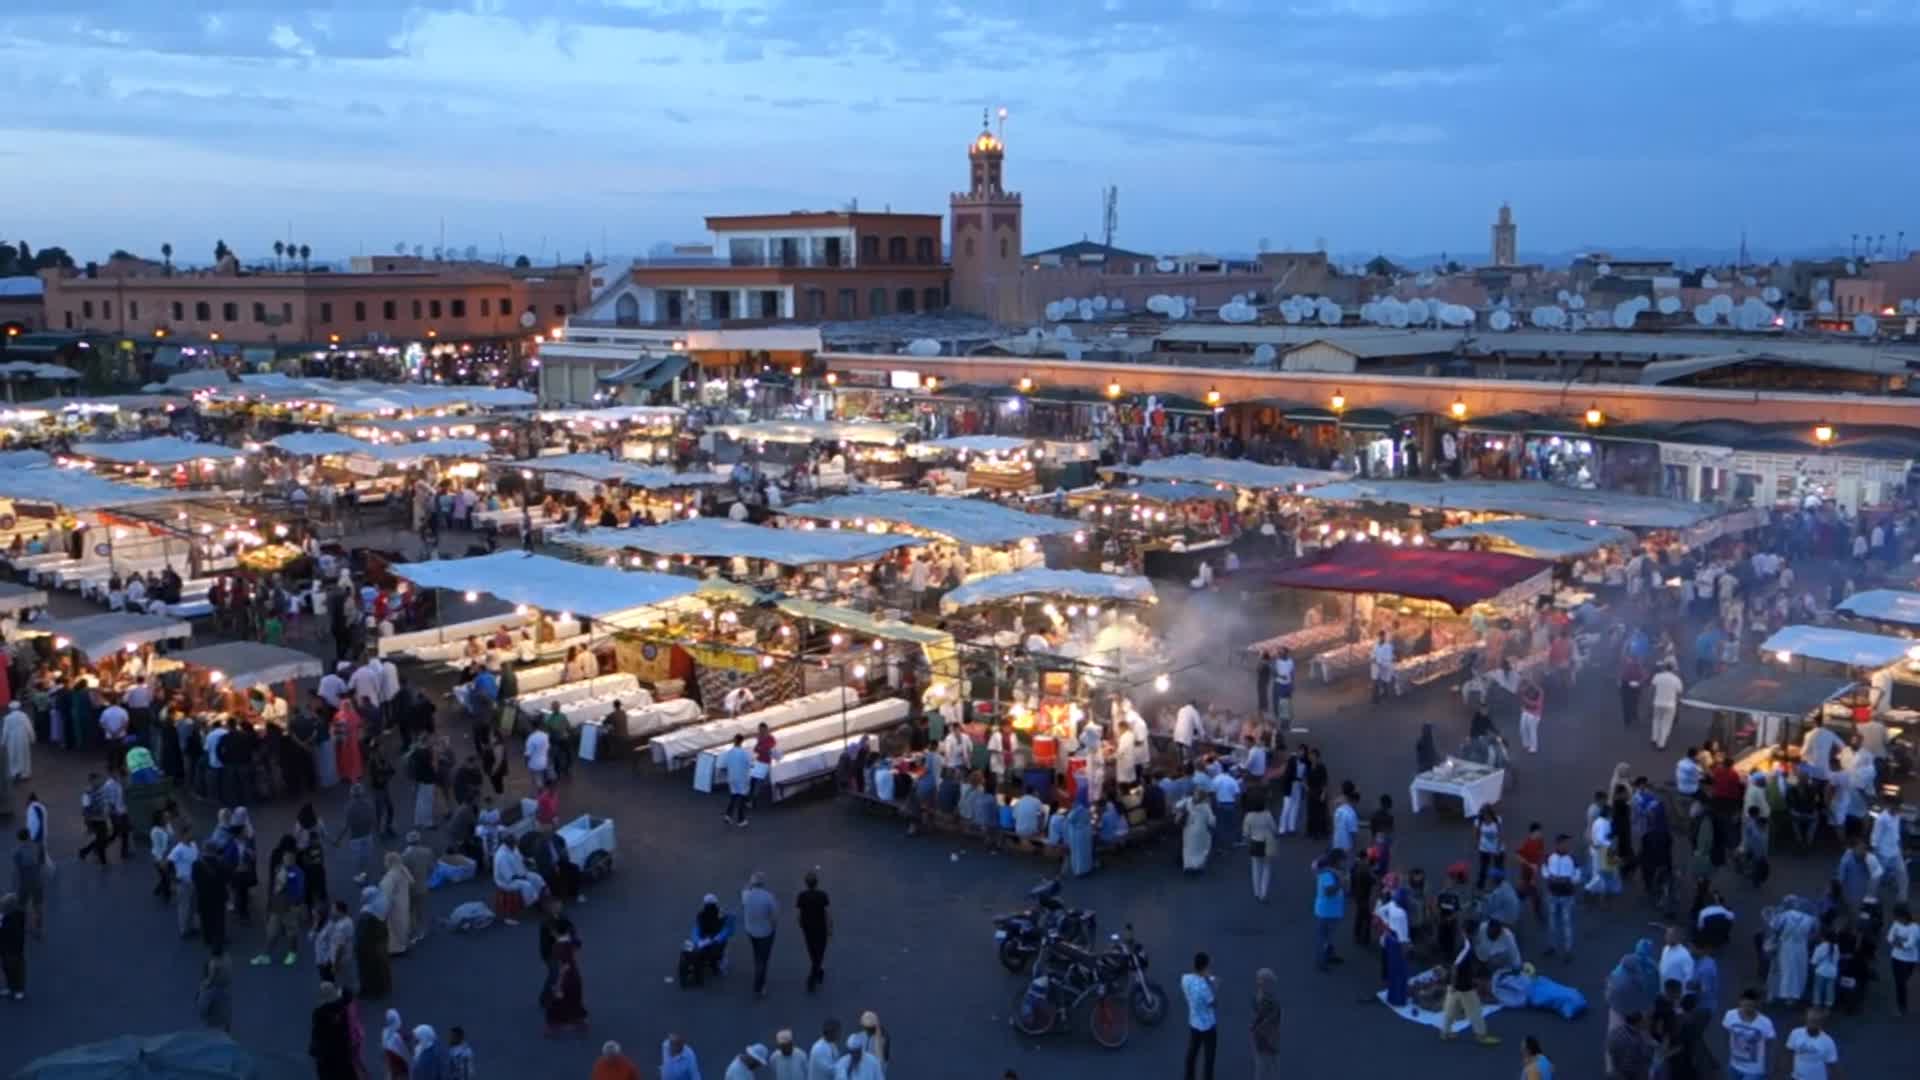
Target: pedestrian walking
<point>1533,701</point>
<point>1903,949</point>
<point>1562,880</point>
<point>286,903</point>
<point>737,761</point>
<point>754,1058</point>
<point>1380,668</point>
<point>357,830</point>
<point>1489,844</point>
<point>1265,1025</point>
<point>1329,905</point>
<point>758,917</point>
<point>614,1064</point>
<point>1203,1036</point>
<point>566,1004</point>
<point>93,814</point>
<point>816,926</point>
<point>181,858</point>
<point>1633,674</point>
<point>1463,993</point>
<point>13,948</point>
<point>824,1054</point>
<point>1261,835</point>
<point>1666,684</point>
<point>1812,1047</point>
<point>1749,1033</point>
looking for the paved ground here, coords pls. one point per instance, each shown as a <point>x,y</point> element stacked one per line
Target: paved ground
<point>913,919</point>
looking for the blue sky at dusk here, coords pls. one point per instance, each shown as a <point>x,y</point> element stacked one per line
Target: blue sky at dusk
<point>1375,124</point>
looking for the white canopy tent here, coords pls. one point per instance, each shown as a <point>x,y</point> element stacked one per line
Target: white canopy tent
<point>871,433</point>
<point>1038,581</point>
<point>408,453</point>
<point>29,369</point>
<point>96,636</point>
<point>1538,500</point>
<point>607,470</point>
<point>1893,606</point>
<point>323,444</point>
<point>247,664</point>
<point>976,444</point>
<point>970,521</point>
<point>715,538</point>
<point>77,489</point>
<point>159,450</point>
<point>1837,646</point>
<point>550,584</point>
<point>613,414</point>
<point>1199,469</point>
<point>1542,539</point>
<point>24,459</point>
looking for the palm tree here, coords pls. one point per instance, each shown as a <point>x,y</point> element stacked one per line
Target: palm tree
<point>221,251</point>
<point>279,249</point>
<point>166,254</point>
<point>305,254</point>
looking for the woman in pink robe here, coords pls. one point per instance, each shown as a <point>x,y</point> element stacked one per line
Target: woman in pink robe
<point>346,742</point>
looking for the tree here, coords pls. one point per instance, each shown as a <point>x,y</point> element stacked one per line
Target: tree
<point>53,258</point>
<point>9,260</point>
<point>279,249</point>
<point>521,262</point>
<point>221,251</point>
<point>1453,266</point>
<point>1381,266</point>
<point>26,254</point>
<point>122,253</point>
<point>305,254</point>
<point>166,254</point>
<point>400,248</point>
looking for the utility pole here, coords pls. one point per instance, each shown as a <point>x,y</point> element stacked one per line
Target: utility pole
<point>1109,213</point>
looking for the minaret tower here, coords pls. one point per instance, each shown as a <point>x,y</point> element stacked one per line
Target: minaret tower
<point>986,232</point>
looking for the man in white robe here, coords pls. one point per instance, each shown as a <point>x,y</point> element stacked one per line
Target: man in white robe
<point>16,735</point>
<point>510,874</point>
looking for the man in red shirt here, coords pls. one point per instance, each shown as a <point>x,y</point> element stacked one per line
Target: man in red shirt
<point>764,751</point>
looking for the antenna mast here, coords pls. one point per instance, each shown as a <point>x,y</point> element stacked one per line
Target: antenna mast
<point>1109,212</point>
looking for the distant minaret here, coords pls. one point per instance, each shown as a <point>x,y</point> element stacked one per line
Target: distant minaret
<point>1506,238</point>
<point>985,240</point>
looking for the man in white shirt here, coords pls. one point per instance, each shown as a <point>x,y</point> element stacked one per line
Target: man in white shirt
<point>956,748</point>
<point>1282,689</point>
<point>737,761</point>
<point>1562,879</point>
<point>1749,1032</point>
<point>1666,685</point>
<point>333,686</point>
<point>1606,879</point>
<point>181,858</point>
<point>1676,960</point>
<point>917,581</point>
<point>1203,1033</point>
<point>1812,1048</point>
<point>1186,730</point>
<point>539,751</point>
<point>1687,774</point>
<point>1027,814</point>
<point>389,682</point>
<point>365,683</point>
<point>1885,842</point>
<point>114,722</point>
<point>1346,825</point>
<point>1382,668</point>
<point>825,1052</point>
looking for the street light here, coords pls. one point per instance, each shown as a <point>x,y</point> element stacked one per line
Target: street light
<point>1823,433</point>
<point>1338,401</point>
<point>1458,409</point>
<point>1213,396</point>
<point>1026,384</point>
<point>1595,417</point>
<point>794,370</point>
<point>932,382</point>
<point>833,378</point>
<point>1113,389</point>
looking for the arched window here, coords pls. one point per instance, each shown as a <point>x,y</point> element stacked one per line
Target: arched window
<point>877,302</point>
<point>896,249</point>
<point>930,300</point>
<point>626,310</point>
<point>203,311</point>
<point>1003,247</point>
<point>969,247</point>
<point>903,302</point>
<point>923,249</point>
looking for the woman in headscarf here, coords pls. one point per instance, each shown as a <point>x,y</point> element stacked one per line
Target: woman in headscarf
<point>1632,985</point>
<point>429,1058</point>
<point>396,890</point>
<point>396,1050</point>
<point>330,1039</point>
<point>1080,836</point>
<point>566,1004</point>
<point>346,742</point>
<point>879,1043</point>
<point>370,945</point>
<point>1425,754</point>
<point>1265,1026</point>
<point>1196,832</point>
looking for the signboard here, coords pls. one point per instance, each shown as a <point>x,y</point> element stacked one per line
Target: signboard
<point>1716,457</point>
<point>903,380</point>
<point>724,659</point>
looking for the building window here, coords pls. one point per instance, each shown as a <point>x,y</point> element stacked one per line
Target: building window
<point>930,300</point>
<point>359,311</point>
<point>877,302</point>
<point>229,312</point>
<point>1003,247</point>
<point>849,302</point>
<point>86,309</point>
<point>106,309</point>
<point>286,311</point>
<point>203,311</point>
<point>870,249</point>
<point>626,310</point>
<point>903,301</point>
<point>504,306</point>
<point>259,312</point>
<point>816,304</point>
<point>433,309</point>
<point>416,309</point>
<point>68,316</point>
<point>485,303</point>
<point>133,309</point>
<point>969,247</point>
<point>559,311</point>
<point>387,311</point>
<point>896,249</point>
<point>923,249</point>
<point>326,313</point>
<point>459,309</point>
<point>179,311</point>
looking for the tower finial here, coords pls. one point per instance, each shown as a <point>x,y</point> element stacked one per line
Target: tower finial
<point>985,124</point>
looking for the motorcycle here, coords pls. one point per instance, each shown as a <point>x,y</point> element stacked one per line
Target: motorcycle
<point>1065,976</point>
<point>1019,936</point>
<point>1125,962</point>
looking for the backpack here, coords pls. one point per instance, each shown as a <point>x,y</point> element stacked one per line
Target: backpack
<point>295,888</point>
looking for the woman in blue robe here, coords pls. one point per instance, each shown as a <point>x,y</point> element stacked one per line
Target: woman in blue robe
<point>1080,838</point>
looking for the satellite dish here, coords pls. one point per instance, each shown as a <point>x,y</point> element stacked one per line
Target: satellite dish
<point>1238,312</point>
<point>1396,313</point>
<point>923,347</point>
<point>1771,294</point>
<point>1100,304</point>
<point>1165,266</point>
<point>1669,305</point>
<point>1500,321</point>
<point>1085,310</point>
<point>1454,315</point>
<point>1539,316</point>
<point>1264,354</point>
<point>1826,307</point>
<point>1177,308</point>
<point>1577,302</point>
<point>1557,316</point>
<point>1562,296</point>
<point>1641,304</point>
<point>1749,280</point>
<point>1865,325</point>
<point>1075,350</point>
<point>1708,281</point>
<point>1417,311</point>
<point>1852,269</point>
<point>1722,305</point>
<point>1238,298</point>
<point>527,319</point>
<point>1605,269</point>
<point>1704,314</point>
<point>1035,334</point>
<point>1158,303</point>
<point>1063,333</point>
<point>1116,305</point>
<point>1292,314</point>
<point>1623,315</point>
<point>1331,313</point>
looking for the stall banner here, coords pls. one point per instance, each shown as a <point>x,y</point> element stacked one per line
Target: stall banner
<point>734,660</point>
<point>648,661</point>
<point>770,687</point>
<point>362,466</point>
<point>1718,457</point>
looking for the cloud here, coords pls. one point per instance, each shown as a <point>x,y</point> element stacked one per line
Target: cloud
<point>1400,135</point>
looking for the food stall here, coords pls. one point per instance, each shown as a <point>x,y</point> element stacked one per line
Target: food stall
<point>1881,666</point>
<point>987,462</point>
<point>1432,598</point>
<point>1760,711</point>
<point>993,538</point>
<point>643,433</point>
<point>99,636</point>
<point>1885,607</point>
<point>825,554</point>
<point>871,449</point>
<point>658,493</point>
<point>160,460</point>
<point>1233,472</point>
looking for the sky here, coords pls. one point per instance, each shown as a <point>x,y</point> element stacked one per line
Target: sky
<point>555,127</point>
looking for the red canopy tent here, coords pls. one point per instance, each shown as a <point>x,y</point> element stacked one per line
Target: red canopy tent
<point>1458,579</point>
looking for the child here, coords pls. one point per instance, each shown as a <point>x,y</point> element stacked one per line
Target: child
<point>1826,970</point>
<point>459,1055</point>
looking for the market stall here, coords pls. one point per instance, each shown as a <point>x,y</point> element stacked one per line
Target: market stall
<point>1889,607</point>
<point>1758,710</point>
<point>843,449</point>
<point>1233,472</point>
<point>632,432</point>
<point>681,747</point>
<point>986,462</point>
<point>243,665</point>
<point>161,459</point>
<point>1551,540</point>
<point>99,636</point>
<point>995,539</point>
<point>717,538</point>
<point>1040,581</point>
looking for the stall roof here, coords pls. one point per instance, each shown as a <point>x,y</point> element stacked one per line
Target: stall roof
<point>77,489</point>
<point>1169,491</point>
<point>1235,472</point>
<point>24,459</point>
<point>247,664</point>
<point>1039,581</point>
<point>1540,500</point>
<point>607,470</point>
<point>15,597</point>
<point>1832,644</point>
<point>437,448</point>
<point>367,396</point>
<point>808,431</point>
<point>970,521</point>
<point>322,444</point>
<point>1543,539</point>
<point>1884,605</point>
<point>158,450</point>
<point>548,583</point>
<point>30,369</point>
<point>980,444</point>
<point>1459,579</point>
<point>615,414</point>
<point>862,623</point>
<point>97,635</point>
<point>109,403</point>
<point>717,538</point>
<point>1758,688</point>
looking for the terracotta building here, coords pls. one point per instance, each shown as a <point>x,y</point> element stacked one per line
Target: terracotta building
<point>987,263</point>
<point>806,265</point>
<point>414,300</point>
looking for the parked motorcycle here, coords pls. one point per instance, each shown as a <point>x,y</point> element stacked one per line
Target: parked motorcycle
<point>1125,962</point>
<point>1065,976</point>
<point>1019,936</point>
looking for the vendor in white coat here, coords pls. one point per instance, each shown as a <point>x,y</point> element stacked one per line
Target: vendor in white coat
<point>16,735</point>
<point>510,874</point>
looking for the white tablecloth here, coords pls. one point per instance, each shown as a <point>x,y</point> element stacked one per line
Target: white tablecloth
<point>789,741</point>
<point>608,687</point>
<point>455,634</point>
<point>683,746</point>
<point>662,716</point>
<point>809,763</point>
<point>1474,789</point>
<point>1303,641</point>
